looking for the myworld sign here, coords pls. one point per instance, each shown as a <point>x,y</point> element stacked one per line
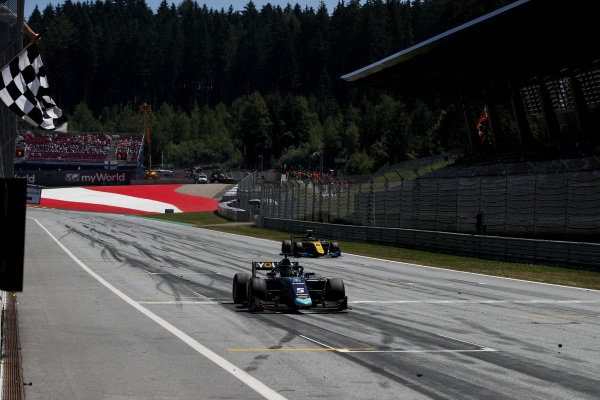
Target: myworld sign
<point>97,178</point>
<point>77,178</point>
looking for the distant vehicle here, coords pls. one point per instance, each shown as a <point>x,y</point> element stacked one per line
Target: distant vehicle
<point>309,245</point>
<point>201,178</point>
<point>193,172</point>
<point>287,285</point>
<point>159,173</point>
<point>215,177</point>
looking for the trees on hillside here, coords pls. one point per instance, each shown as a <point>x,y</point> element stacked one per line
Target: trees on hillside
<point>228,85</point>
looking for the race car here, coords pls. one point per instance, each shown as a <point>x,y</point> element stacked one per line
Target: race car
<point>286,285</point>
<point>309,245</point>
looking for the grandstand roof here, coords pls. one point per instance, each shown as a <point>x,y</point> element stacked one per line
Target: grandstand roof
<point>523,38</point>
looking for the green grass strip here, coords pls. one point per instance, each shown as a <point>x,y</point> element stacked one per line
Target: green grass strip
<point>529,272</point>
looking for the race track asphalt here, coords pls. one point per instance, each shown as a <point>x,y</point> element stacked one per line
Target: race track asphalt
<point>120,307</point>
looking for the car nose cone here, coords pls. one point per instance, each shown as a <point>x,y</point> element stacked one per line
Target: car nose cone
<point>307,302</point>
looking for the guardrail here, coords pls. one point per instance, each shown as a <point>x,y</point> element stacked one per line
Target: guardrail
<point>226,210</point>
<point>576,255</point>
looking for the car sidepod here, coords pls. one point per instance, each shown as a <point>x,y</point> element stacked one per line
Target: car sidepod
<point>311,248</point>
<point>318,249</point>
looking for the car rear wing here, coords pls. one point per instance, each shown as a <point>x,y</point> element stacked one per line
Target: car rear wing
<point>267,265</point>
<point>302,235</point>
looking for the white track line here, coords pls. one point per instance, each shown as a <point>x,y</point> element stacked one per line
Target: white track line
<point>249,380</point>
<point>481,350</point>
<point>317,342</point>
<point>173,302</point>
<point>344,350</point>
<point>534,301</point>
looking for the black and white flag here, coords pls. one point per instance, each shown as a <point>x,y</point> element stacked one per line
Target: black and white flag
<point>24,89</point>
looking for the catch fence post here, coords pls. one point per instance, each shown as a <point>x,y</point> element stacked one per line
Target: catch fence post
<point>357,207</point>
<point>339,199</point>
<point>385,200</point>
<point>371,204</point>
<point>348,200</point>
<point>330,193</point>
<point>312,208</point>
<point>305,199</point>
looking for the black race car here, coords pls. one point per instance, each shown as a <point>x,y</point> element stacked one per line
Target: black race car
<point>309,245</point>
<point>286,285</point>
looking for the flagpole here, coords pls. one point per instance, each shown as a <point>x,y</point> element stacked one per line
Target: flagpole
<point>22,50</point>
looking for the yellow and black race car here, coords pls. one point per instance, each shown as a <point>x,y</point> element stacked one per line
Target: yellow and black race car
<point>309,245</point>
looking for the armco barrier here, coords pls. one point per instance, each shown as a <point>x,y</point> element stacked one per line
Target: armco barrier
<point>577,255</point>
<point>225,210</point>
<point>230,194</point>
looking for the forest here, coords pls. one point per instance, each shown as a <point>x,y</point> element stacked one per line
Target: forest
<point>236,87</point>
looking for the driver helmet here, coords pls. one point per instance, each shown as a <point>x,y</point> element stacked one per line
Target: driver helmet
<point>287,269</point>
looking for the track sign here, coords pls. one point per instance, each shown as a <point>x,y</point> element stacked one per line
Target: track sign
<point>12,233</point>
<point>34,194</point>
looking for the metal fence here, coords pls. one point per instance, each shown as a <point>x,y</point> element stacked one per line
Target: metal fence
<point>558,206</point>
<point>534,251</point>
<point>11,20</point>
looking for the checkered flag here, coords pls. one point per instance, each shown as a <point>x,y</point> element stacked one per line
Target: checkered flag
<point>24,89</point>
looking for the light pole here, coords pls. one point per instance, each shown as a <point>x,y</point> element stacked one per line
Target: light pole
<point>146,108</point>
<point>320,154</point>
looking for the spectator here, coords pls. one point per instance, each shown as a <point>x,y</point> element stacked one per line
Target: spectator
<point>9,17</point>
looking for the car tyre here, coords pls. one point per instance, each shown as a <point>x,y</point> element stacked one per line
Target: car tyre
<point>334,289</point>
<point>286,246</point>
<point>240,280</point>
<point>334,247</point>
<point>298,249</point>
<point>256,291</point>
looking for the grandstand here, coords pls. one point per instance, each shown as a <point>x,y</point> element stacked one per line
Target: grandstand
<point>46,158</point>
<point>46,150</point>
